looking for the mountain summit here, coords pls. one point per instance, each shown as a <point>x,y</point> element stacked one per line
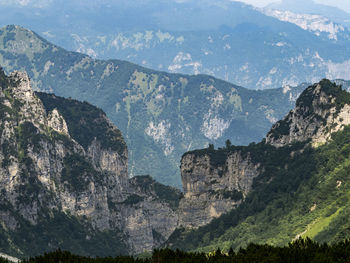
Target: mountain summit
<point>320,110</point>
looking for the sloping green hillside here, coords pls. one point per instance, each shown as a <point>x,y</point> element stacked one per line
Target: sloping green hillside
<point>160,115</point>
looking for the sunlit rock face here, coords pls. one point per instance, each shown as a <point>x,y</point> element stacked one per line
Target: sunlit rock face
<point>319,112</point>
<point>213,187</point>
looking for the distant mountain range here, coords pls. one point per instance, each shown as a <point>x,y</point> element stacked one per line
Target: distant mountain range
<point>311,7</point>
<point>161,115</point>
<point>317,24</point>
<point>228,40</point>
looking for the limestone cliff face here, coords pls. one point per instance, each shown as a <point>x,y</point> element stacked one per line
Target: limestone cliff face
<point>150,215</point>
<point>64,156</point>
<point>30,107</point>
<point>213,187</point>
<point>319,112</point>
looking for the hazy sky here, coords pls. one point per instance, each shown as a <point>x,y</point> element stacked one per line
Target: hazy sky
<point>343,4</point>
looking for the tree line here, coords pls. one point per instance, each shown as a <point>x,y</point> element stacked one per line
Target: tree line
<point>298,251</point>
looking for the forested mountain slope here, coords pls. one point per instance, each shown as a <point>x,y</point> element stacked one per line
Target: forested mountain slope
<point>301,185</point>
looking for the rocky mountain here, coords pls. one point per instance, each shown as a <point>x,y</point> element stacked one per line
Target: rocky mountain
<point>317,24</point>
<point>315,119</point>
<point>161,115</point>
<point>64,180</point>
<point>292,184</point>
<point>313,8</point>
<point>222,38</point>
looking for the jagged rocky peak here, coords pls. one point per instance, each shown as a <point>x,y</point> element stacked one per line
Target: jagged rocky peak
<point>28,106</point>
<point>63,161</point>
<point>320,110</point>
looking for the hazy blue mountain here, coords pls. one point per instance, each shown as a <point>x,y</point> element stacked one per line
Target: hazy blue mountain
<point>225,39</point>
<point>161,115</point>
<point>319,25</point>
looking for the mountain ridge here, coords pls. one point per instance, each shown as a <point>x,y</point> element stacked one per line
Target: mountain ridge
<point>310,7</point>
<point>298,189</point>
<point>170,32</point>
<point>160,114</point>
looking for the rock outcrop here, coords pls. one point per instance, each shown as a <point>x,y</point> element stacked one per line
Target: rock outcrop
<point>213,184</point>
<point>57,122</point>
<point>319,112</point>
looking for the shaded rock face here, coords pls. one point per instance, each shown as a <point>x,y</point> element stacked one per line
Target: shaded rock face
<point>46,167</point>
<point>212,189</point>
<point>318,113</point>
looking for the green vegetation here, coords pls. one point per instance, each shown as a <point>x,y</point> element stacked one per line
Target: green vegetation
<point>69,233</point>
<point>133,199</point>
<point>27,134</point>
<point>3,78</point>
<point>78,172</point>
<point>298,251</point>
